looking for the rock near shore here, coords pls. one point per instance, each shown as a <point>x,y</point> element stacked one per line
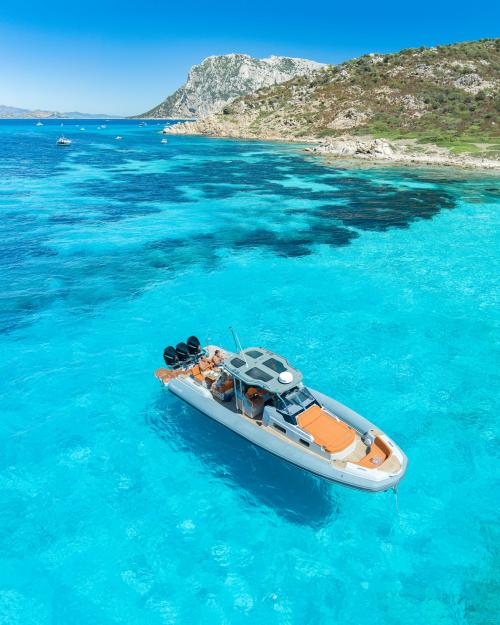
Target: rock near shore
<point>353,146</point>
<point>399,151</point>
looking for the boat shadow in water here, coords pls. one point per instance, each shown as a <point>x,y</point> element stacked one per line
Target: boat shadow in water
<point>260,477</point>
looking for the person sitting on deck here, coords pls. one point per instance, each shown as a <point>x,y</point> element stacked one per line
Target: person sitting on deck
<point>217,359</point>
<point>205,364</point>
<point>201,369</point>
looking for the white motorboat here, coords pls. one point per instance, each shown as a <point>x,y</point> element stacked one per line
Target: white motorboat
<point>260,396</point>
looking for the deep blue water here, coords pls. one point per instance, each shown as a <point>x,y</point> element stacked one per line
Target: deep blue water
<point>120,505</point>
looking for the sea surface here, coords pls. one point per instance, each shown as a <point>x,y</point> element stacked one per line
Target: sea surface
<point>121,505</point>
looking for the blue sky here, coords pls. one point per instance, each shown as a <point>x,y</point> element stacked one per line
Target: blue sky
<point>125,57</point>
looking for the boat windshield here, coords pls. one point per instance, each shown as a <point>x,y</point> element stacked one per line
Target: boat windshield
<point>292,403</point>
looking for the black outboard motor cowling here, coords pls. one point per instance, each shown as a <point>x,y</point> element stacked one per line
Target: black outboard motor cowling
<point>182,352</point>
<point>170,357</point>
<point>194,346</point>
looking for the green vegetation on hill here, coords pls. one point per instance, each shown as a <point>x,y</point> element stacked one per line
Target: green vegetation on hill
<point>448,95</point>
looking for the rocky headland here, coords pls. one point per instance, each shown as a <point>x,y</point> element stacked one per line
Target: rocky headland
<point>437,106</point>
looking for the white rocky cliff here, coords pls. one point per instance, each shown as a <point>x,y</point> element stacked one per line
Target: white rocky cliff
<point>219,79</point>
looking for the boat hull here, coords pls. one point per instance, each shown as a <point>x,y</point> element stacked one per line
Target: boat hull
<point>260,436</point>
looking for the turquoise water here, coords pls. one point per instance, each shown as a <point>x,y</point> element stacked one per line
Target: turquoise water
<point>118,504</point>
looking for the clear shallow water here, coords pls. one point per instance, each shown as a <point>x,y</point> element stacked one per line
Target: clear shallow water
<point>120,505</point>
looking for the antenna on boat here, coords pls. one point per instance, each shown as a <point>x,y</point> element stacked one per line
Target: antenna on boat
<point>237,343</point>
<point>234,336</point>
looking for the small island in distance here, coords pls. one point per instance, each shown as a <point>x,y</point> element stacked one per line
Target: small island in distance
<point>14,112</point>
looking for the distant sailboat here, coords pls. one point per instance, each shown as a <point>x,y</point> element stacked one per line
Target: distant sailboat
<point>62,139</point>
<point>118,138</point>
<point>39,124</point>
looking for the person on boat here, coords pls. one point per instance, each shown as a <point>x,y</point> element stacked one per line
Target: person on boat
<point>205,364</point>
<point>217,359</point>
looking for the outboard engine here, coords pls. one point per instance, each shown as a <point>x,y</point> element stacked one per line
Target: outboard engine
<point>170,357</point>
<point>182,352</point>
<point>194,346</point>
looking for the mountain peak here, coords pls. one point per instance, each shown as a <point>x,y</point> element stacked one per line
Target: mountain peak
<point>218,80</point>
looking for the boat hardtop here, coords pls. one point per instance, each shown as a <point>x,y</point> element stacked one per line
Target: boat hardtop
<point>259,395</point>
<point>260,366</point>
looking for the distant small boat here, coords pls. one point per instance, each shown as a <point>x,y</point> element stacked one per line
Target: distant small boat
<point>164,141</point>
<point>62,139</point>
<point>142,124</point>
<point>118,138</point>
<point>39,124</point>
<point>165,131</point>
<point>82,128</point>
<point>104,126</point>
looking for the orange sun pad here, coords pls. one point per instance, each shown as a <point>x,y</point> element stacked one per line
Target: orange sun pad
<point>331,434</point>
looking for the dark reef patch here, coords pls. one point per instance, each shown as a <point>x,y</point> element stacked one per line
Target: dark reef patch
<point>386,209</point>
<point>286,220</point>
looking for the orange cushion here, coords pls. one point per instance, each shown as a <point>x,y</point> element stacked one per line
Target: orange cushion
<point>327,431</point>
<point>164,374</point>
<point>378,454</point>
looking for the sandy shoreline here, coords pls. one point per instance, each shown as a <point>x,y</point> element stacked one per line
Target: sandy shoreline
<point>355,148</point>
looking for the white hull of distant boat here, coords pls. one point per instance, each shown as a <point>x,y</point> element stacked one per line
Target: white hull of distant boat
<point>63,141</point>
<point>258,395</point>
